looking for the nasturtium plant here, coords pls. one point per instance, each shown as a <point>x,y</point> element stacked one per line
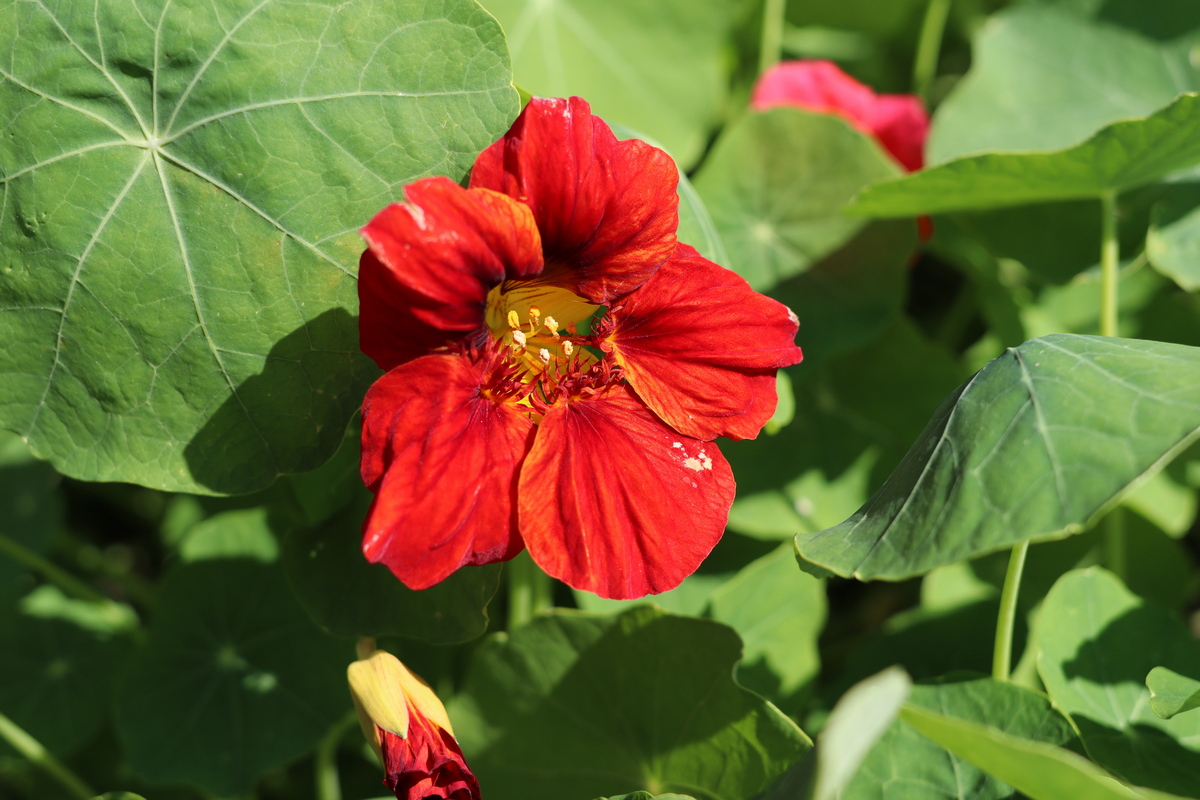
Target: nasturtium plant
<point>865,334</point>
<point>180,251</point>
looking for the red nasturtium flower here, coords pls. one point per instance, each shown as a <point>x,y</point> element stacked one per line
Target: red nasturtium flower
<point>898,122</point>
<point>408,728</point>
<point>558,365</point>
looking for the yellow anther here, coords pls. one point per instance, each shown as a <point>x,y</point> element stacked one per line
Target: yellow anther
<point>568,348</point>
<point>551,325</point>
<point>534,312</point>
<point>544,355</point>
<point>514,321</point>
<point>518,339</point>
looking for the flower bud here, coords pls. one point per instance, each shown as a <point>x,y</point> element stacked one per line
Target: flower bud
<point>407,726</point>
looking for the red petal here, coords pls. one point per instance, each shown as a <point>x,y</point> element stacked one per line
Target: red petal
<point>432,262</point>
<point>901,124</point>
<point>615,502</point>
<point>898,122</point>
<point>442,460</point>
<point>607,210</point>
<point>426,764</point>
<point>701,347</point>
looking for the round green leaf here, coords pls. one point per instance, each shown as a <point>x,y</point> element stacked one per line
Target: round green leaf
<point>182,188</point>
<point>579,706</point>
<point>1096,642</point>
<point>1037,445</point>
<point>348,596</point>
<point>54,679</point>
<point>234,679</point>
<point>1044,79</point>
<point>779,613</point>
<point>775,185</point>
<point>657,67</point>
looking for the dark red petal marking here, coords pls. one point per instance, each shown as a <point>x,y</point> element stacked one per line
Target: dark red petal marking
<point>701,347</point>
<point>442,460</point>
<point>426,764</point>
<point>615,502</point>
<point>433,261</point>
<point>607,210</point>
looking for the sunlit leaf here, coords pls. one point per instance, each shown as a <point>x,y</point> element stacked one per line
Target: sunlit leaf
<point>656,67</point>
<point>775,184</point>
<point>1121,156</point>
<point>182,186</point>
<point>579,706</point>
<point>1172,693</point>
<point>1035,446</point>
<point>1040,771</point>
<point>1096,643</point>
<point>1044,79</point>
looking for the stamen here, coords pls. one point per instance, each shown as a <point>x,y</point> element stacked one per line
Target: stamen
<point>518,339</point>
<point>544,355</point>
<point>568,348</point>
<point>514,321</point>
<point>534,312</point>
<point>551,325</point>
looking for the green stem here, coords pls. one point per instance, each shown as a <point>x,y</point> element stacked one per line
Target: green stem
<point>51,572</point>
<point>929,46</point>
<point>1007,619</point>
<point>32,750</point>
<point>325,769</point>
<point>771,43</point>
<point>529,590</point>
<point>1109,263</point>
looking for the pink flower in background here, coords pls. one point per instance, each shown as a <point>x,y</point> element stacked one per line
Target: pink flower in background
<point>898,122</point>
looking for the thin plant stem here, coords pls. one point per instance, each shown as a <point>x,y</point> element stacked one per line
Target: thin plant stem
<point>529,590</point>
<point>1109,263</point>
<point>33,750</point>
<point>1007,619</point>
<point>325,769</point>
<point>51,572</point>
<point>1110,258</point>
<point>929,46</point>
<point>771,43</point>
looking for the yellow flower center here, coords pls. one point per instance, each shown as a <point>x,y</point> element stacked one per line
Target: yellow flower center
<point>538,325</point>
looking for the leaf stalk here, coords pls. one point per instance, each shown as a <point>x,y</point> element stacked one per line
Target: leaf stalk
<point>38,755</point>
<point>1006,621</point>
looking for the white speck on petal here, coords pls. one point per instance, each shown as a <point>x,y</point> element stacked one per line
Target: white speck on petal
<point>417,213</point>
<point>693,464</point>
<point>678,445</point>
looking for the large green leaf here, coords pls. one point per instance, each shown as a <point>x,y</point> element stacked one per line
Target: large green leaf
<point>779,614</point>
<point>1158,19</point>
<point>775,184</point>
<point>574,706</point>
<point>54,679</point>
<point>905,765</point>
<point>1172,693</point>
<point>1035,446</point>
<point>1044,79</point>
<point>233,680</point>
<point>348,596</point>
<point>1120,156</point>
<point>182,185</point>
<point>1096,642</point>
<point>1040,771</point>
<point>657,67</point>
